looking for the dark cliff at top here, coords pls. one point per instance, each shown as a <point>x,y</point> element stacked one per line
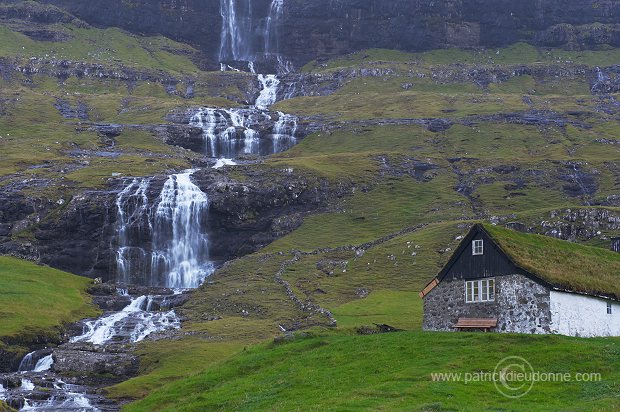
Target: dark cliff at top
<point>309,29</point>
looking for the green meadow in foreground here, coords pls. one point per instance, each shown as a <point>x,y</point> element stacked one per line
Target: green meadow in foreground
<point>36,301</point>
<point>395,372</point>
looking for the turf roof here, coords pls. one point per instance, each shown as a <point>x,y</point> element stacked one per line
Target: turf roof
<point>564,265</point>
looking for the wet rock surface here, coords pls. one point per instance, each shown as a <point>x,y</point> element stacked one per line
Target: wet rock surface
<point>99,353</point>
<point>80,236</point>
<point>326,28</point>
<point>90,366</point>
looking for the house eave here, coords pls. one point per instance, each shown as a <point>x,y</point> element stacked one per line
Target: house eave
<point>592,295</point>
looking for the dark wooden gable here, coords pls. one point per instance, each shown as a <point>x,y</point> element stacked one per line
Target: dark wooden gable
<point>464,265</point>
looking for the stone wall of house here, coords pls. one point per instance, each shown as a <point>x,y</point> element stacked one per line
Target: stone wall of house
<point>521,306</point>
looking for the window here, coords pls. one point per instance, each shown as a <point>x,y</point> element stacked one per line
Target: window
<point>477,247</point>
<point>609,308</point>
<point>480,290</point>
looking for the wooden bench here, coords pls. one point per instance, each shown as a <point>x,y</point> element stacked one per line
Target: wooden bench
<point>476,323</point>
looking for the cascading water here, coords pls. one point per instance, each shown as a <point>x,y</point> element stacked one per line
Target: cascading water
<point>134,323</point>
<point>230,133</point>
<point>163,244</point>
<point>44,364</point>
<point>180,243</point>
<point>70,402</point>
<point>36,362</point>
<point>158,245</point>
<point>134,227</point>
<point>271,28</point>
<point>269,92</point>
<point>238,40</point>
<point>56,395</point>
<point>284,132</point>
<point>28,363</point>
<point>602,82</point>
<point>27,385</point>
<point>237,28</point>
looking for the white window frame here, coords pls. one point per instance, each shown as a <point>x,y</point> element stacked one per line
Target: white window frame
<point>610,308</point>
<point>480,291</point>
<point>477,247</point>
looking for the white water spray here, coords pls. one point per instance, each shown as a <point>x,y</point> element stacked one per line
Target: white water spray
<point>133,219</point>
<point>181,247</point>
<point>237,29</point>
<point>44,364</point>
<point>133,322</point>
<point>269,92</point>
<point>271,28</point>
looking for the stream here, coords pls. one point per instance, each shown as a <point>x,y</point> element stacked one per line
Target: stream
<point>162,245</point>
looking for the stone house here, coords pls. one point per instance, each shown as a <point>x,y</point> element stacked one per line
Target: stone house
<point>505,281</point>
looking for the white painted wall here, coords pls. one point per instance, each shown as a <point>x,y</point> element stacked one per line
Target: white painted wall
<point>584,316</point>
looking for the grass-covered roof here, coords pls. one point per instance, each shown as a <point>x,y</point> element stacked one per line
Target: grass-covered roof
<point>565,265</point>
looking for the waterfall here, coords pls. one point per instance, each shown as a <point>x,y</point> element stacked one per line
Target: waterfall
<point>284,132</point>
<point>601,84</point>
<point>286,125</point>
<point>237,28</point>
<point>134,228</point>
<point>229,133</point>
<point>28,363</point>
<point>164,244</point>
<point>180,245</point>
<point>269,93</point>
<point>601,76</point>
<point>44,364</point>
<point>65,397</point>
<point>134,323</point>
<point>27,385</point>
<point>271,28</point>
<point>241,32</point>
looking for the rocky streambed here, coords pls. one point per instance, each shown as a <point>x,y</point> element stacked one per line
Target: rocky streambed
<point>98,352</point>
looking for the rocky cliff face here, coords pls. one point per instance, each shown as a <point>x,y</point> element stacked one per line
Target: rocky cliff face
<point>244,216</point>
<point>323,28</point>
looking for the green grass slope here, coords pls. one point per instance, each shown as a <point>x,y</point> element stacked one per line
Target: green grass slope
<point>36,301</point>
<point>394,372</point>
<point>413,192</point>
<point>366,257</point>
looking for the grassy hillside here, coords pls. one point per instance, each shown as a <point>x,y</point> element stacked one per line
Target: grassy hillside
<point>415,191</point>
<point>50,105</point>
<point>36,300</point>
<point>520,136</point>
<point>393,372</point>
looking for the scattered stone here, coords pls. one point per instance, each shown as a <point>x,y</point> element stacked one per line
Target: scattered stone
<point>362,293</point>
<point>376,329</point>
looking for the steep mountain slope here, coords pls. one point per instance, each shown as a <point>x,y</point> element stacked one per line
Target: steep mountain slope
<point>401,153</point>
<point>326,28</point>
<point>515,134</point>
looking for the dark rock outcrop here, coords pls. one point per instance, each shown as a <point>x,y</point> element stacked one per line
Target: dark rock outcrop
<point>77,238</point>
<point>79,235</point>
<point>92,365</point>
<point>323,28</point>
<point>247,215</point>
